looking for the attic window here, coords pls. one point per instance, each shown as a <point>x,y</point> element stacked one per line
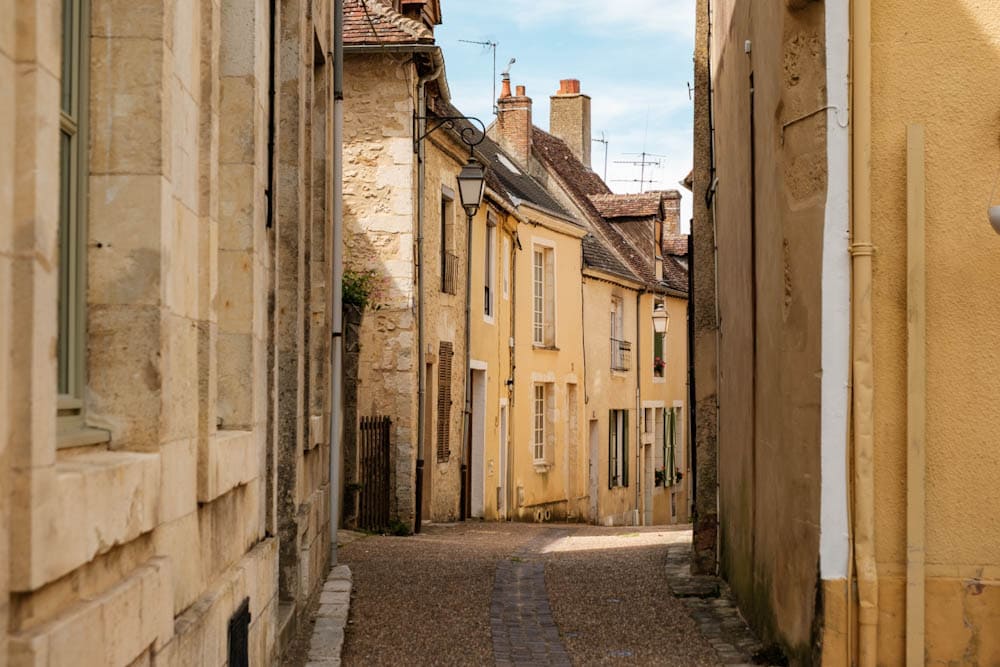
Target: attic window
<point>511,167</point>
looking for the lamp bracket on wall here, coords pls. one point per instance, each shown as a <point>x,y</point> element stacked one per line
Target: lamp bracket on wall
<point>470,135</point>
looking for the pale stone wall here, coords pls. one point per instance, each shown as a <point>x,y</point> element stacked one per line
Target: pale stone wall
<point>379,234</point>
<point>141,548</point>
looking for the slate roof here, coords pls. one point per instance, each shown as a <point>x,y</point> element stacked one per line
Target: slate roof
<point>597,256</point>
<point>390,27</point>
<point>503,174</point>
<point>645,205</point>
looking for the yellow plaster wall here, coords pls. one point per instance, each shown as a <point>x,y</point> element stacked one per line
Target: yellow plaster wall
<point>937,64</point>
<point>549,489</point>
<point>489,343</point>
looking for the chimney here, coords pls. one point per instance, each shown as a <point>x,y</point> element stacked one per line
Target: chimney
<point>514,122</point>
<point>570,118</point>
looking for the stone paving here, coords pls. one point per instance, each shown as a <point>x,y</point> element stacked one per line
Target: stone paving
<point>520,617</point>
<point>711,606</point>
<point>334,606</point>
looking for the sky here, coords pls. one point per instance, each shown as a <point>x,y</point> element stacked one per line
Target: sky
<point>632,57</point>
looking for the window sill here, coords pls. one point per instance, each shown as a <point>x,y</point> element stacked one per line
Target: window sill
<point>659,380</point>
<point>82,437</point>
<point>550,348</point>
<point>541,467</point>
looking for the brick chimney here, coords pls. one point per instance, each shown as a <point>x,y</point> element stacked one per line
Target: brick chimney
<point>514,122</point>
<point>569,118</point>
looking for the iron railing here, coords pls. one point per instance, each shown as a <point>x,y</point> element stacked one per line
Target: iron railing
<point>621,355</point>
<point>373,505</point>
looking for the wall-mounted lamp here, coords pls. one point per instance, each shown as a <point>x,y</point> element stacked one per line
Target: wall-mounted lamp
<point>661,320</point>
<point>471,185</point>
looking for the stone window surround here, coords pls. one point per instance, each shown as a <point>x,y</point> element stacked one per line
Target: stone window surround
<point>548,324</point>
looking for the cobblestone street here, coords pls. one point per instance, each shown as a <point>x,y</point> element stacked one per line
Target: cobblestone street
<point>519,594</point>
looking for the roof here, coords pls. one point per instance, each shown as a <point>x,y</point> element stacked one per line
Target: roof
<point>676,244</point>
<point>591,194</point>
<point>628,206</point>
<point>369,22</point>
<point>597,256</point>
<point>503,174</point>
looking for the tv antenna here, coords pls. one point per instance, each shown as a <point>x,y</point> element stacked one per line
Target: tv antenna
<point>645,160</point>
<point>604,140</point>
<point>493,47</point>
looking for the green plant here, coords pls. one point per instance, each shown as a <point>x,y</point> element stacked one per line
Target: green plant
<point>360,288</point>
<point>398,528</point>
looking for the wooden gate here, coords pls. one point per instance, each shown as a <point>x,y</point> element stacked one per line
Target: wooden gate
<point>373,505</point>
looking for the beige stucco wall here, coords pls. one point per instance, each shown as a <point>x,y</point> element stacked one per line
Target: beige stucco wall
<point>550,487</point>
<point>937,64</point>
<point>142,547</point>
<point>769,220</point>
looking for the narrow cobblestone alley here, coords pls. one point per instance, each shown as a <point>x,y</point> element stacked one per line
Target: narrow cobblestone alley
<point>508,594</point>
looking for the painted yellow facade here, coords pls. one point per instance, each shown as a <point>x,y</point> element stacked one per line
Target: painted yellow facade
<point>858,518</point>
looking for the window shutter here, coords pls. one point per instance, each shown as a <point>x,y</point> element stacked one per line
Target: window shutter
<point>611,449</point>
<point>445,354</point>
<point>625,448</point>
<point>670,439</point>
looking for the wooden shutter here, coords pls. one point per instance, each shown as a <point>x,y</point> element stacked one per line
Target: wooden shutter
<point>625,448</point>
<point>611,449</point>
<point>671,440</point>
<point>446,352</point>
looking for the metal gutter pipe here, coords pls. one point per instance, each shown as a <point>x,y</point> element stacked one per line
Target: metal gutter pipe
<point>861,352</point>
<point>639,504</point>
<point>336,271</point>
<point>421,363</point>
<point>467,417</point>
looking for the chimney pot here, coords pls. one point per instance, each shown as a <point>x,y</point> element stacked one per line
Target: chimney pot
<point>569,87</point>
<point>505,89</point>
<point>520,91</point>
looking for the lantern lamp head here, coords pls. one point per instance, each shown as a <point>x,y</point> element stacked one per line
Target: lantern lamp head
<point>471,185</point>
<point>661,320</point>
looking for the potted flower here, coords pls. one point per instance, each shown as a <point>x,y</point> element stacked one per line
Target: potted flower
<point>660,475</point>
<point>659,364</point>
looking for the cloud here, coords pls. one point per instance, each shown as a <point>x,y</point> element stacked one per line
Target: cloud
<point>675,17</point>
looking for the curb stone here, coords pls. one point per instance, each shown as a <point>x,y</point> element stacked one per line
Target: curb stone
<point>327,640</point>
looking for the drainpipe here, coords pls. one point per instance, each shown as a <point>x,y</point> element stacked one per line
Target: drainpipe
<point>638,413</point>
<point>421,364</point>
<point>336,270</point>
<point>863,380</point>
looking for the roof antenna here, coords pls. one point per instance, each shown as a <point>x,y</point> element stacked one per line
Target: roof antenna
<point>604,140</point>
<point>493,47</point>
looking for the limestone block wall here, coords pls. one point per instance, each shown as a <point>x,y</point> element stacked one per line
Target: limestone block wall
<point>379,234</point>
<point>139,543</point>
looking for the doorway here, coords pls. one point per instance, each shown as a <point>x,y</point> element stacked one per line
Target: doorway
<point>594,468</point>
<point>430,456</point>
<point>477,455</point>
<point>502,485</point>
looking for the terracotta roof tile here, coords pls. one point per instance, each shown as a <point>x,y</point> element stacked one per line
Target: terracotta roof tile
<point>380,24</point>
<point>629,205</point>
<point>675,244</point>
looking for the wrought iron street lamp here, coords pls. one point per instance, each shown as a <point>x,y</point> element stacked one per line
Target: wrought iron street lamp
<point>471,185</point>
<point>661,320</point>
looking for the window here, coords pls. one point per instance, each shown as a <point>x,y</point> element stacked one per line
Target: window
<point>445,353</point>
<point>621,349</point>
<point>543,296</point>
<point>489,263</point>
<point>617,448</point>
<point>72,214</point>
<point>449,261</point>
<point>506,267</point>
<point>659,349</point>
<point>539,431</point>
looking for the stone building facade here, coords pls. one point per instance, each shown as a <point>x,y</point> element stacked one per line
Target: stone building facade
<point>164,327</point>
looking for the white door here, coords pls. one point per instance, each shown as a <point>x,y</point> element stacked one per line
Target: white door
<point>478,443</point>
<point>502,481</point>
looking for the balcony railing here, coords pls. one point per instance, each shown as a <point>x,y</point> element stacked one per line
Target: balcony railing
<point>621,355</point>
<point>449,272</point>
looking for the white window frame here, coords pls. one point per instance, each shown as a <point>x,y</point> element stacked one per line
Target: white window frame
<point>489,264</point>
<point>539,426</point>
<point>543,280</point>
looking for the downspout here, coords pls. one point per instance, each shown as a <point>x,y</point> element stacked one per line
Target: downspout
<point>336,270</point>
<point>421,364</point>
<point>638,414</point>
<point>512,451</point>
<point>467,416</point>
<point>692,408</point>
<point>861,362</point>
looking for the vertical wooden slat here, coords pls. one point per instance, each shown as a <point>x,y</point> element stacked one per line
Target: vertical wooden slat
<point>916,402</point>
